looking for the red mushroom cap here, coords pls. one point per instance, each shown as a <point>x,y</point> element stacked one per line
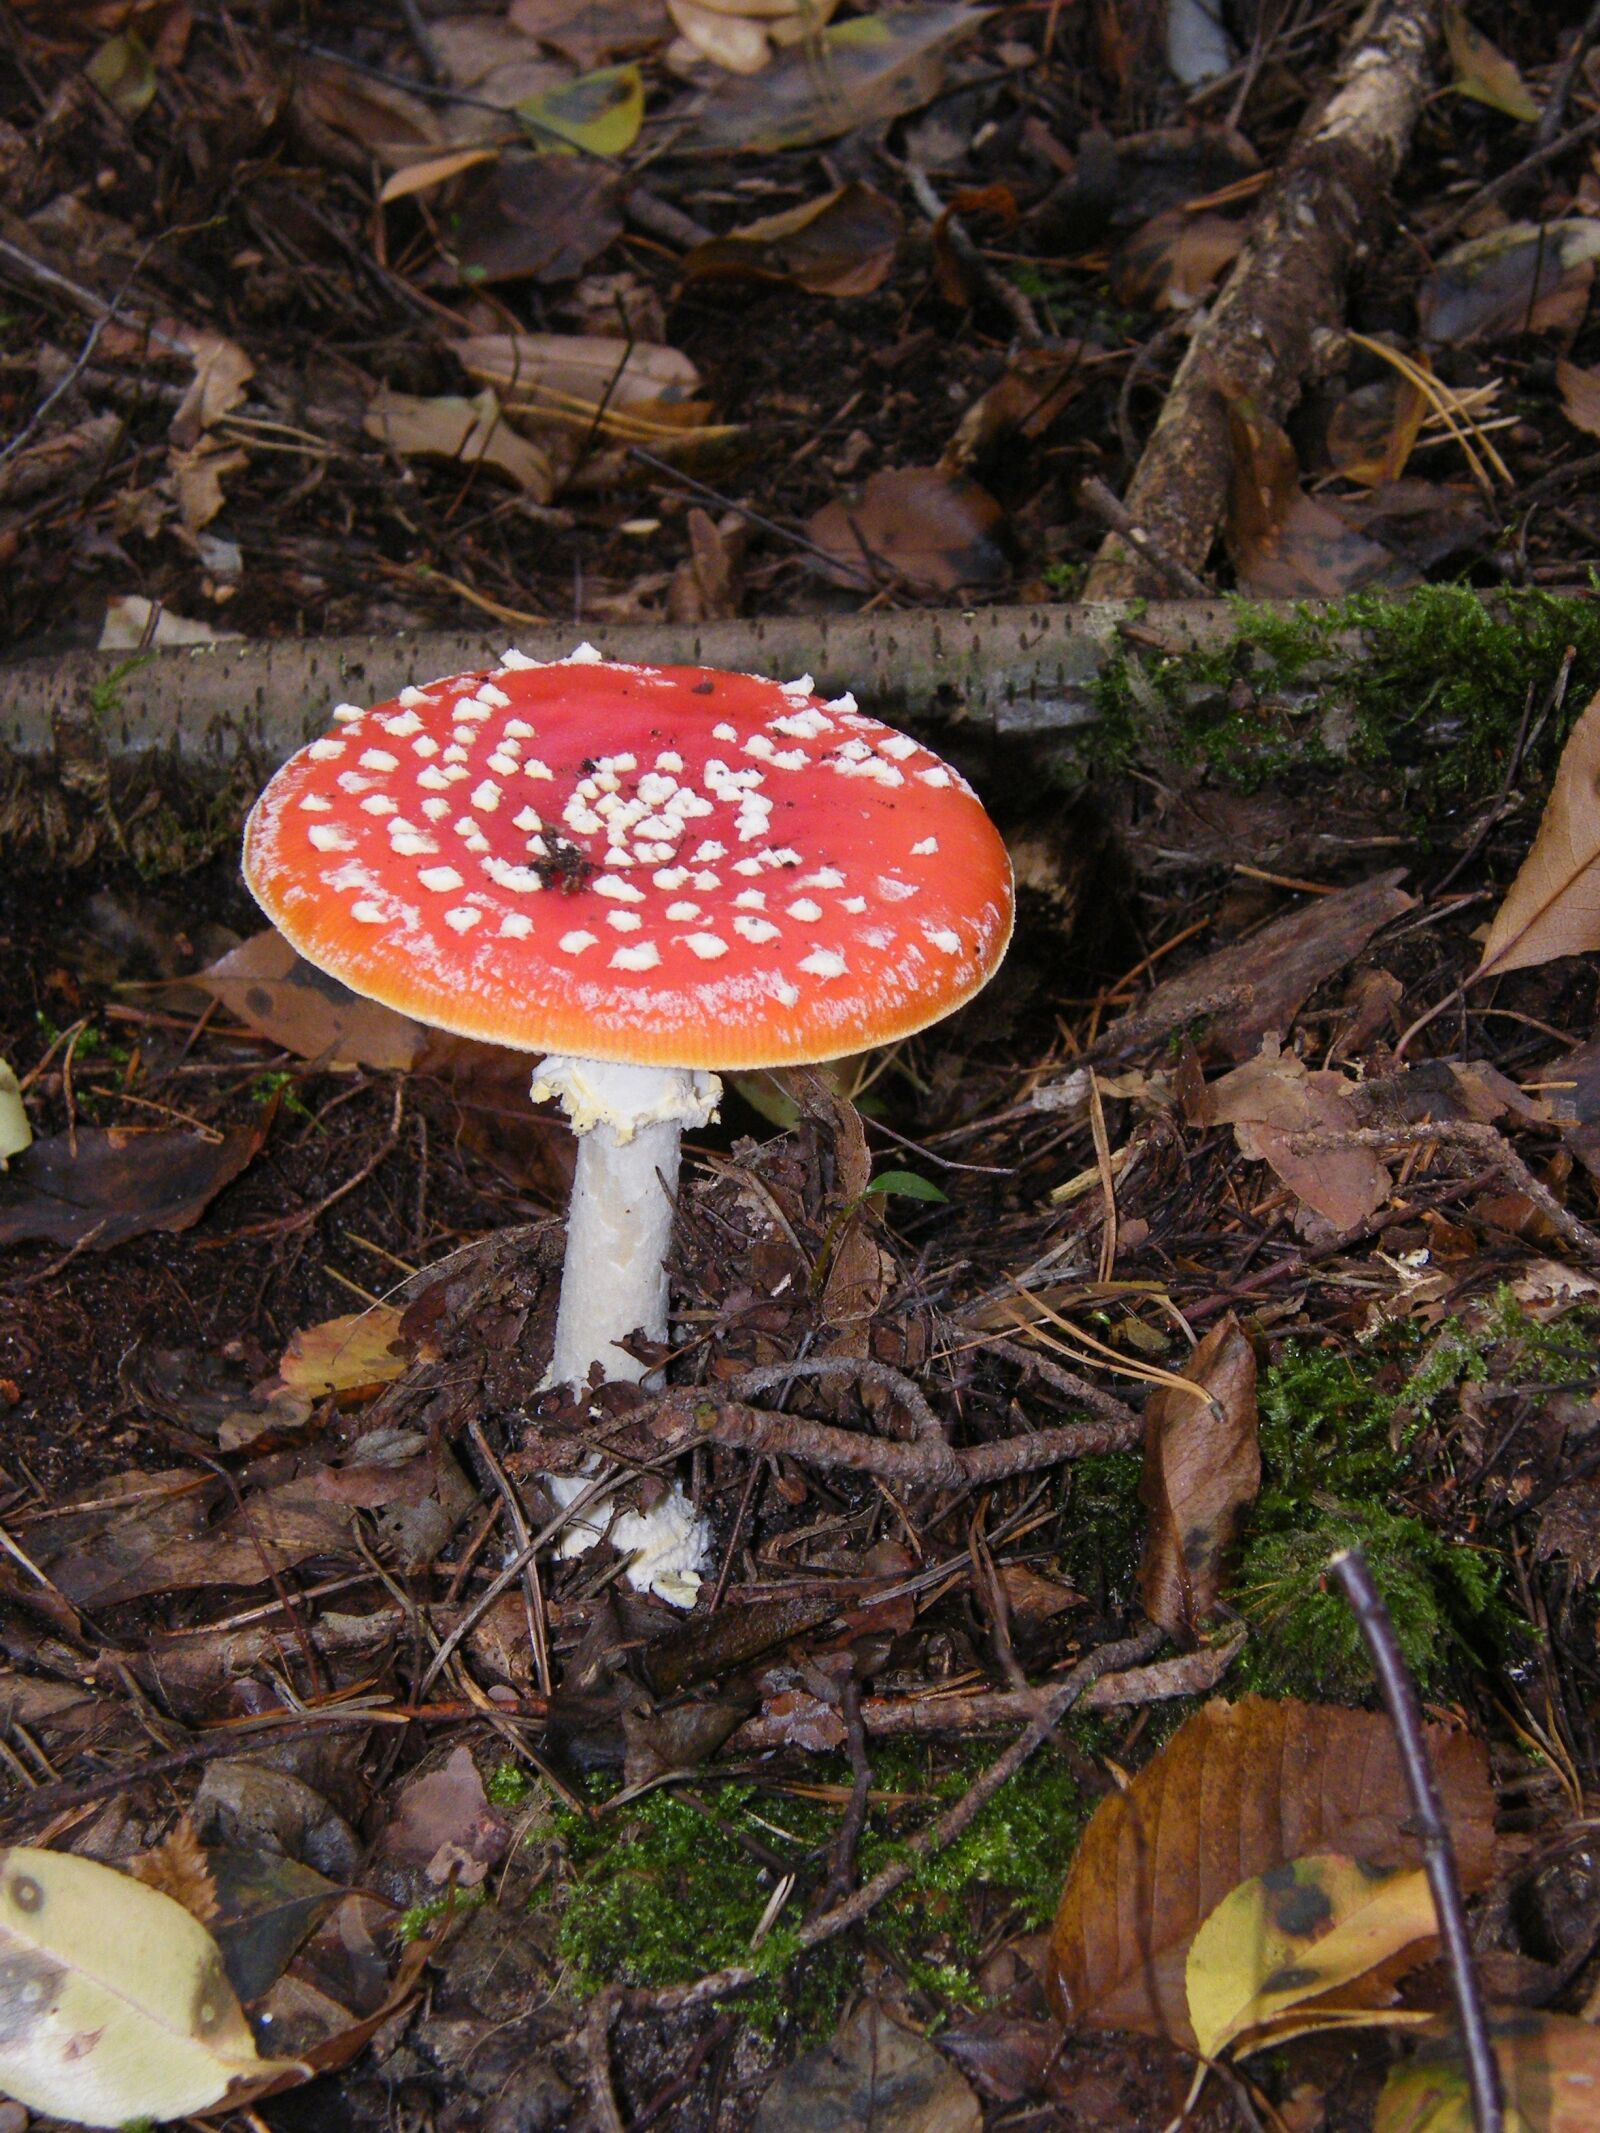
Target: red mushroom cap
<point>656,865</point>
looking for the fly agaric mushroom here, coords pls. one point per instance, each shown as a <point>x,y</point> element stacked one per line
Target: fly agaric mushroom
<point>643,873</point>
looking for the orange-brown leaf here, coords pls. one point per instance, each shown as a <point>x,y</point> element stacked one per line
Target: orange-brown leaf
<point>1202,1468</point>
<point>1240,1788</point>
<point>179,1868</point>
<point>1553,906</point>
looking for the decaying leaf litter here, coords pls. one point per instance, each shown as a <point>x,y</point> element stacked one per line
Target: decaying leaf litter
<point>1388,1232</point>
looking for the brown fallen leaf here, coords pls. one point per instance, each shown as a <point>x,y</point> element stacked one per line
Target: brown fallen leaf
<point>1373,431</point>
<point>1553,906</point>
<point>348,1355</point>
<point>1202,1469</point>
<point>273,990</point>
<point>915,526</point>
<point>443,1830</point>
<point>1171,263</point>
<point>1284,543</point>
<point>99,1187</point>
<point>589,32</point>
<point>1580,396</point>
<point>1569,1528</point>
<point>1272,1102</point>
<point>841,245</point>
<point>1281,965</point>
<point>177,1866</point>
<point>1528,277</point>
<point>1023,402</point>
<point>1239,1789</point>
<point>530,218</point>
<point>871,2077</point>
<point>468,432</point>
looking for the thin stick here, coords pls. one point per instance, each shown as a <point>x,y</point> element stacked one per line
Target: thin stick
<point>1438,1853</point>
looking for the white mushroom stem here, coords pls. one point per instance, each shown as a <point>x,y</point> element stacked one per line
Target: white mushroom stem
<point>629,1121</point>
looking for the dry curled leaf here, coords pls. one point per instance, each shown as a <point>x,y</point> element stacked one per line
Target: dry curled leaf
<point>178,1867</point>
<point>1202,1468</point>
<point>1273,1104</point>
<point>916,526</point>
<point>275,991</point>
<point>116,2003</point>
<point>1238,1790</point>
<point>1553,906</point>
<point>466,431</point>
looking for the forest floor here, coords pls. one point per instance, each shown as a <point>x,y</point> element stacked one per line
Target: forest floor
<point>304,333</point>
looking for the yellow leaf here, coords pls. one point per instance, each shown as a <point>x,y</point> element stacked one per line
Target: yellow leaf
<point>1295,1933</point>
<point>1553,906</point>
<point>431,171</point>
<point>345,1354</point>
<point>1549,2068</point>
<point>1483,71</point>
<point>116,2002</point>
<point>600,113</point>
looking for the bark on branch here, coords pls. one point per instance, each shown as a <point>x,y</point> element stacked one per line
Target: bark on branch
<point>1279,317</point>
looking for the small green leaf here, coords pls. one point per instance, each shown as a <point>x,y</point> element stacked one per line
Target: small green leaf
<point>907,1184</point>
<point>124,73</point>
<point>601,113</point>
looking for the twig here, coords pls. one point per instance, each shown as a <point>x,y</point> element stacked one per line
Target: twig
<point>522,1542</point>
<point>1104,505</point>
<point>687,1415</point>
<point>597,2058</point>
<point>1535,160</point>
<point>842,1855</point>
<point>1000,291</point>
<point>1438,1853</point>
<point>828,1925</point>
<point>1555,104</point>
<point>1105,1404</point>
<point>860,1370</point>
<point>422,38</point>
<point>1484,1141</point>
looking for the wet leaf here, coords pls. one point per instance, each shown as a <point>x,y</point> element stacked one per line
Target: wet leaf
<point>1272,1102</point>
<point>600,113</point>
<point>353,1354</point>
<point>1580,396</point>
<point>917,526</point>
<point>1482,70</point>
<point>1024,402</point>
<point>1553,906</point>
<point>271,989</point>
<point>1202,1470</point>
<point>841,245</point>
<point>531,217</point>
<point>1549,2065</point>
<point>467,431</point>
<point>872,2077</point>
<point>267,1904</point>
<point>867,71</point>
<point>1521,279</point>
<point>1238,1790</point>
<point>124,72</point>
<point>117,2003</point>
<point>99,1187</point>
<point>1299,1932</point>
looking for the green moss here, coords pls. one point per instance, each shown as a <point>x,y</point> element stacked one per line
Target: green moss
<point>1339,1428</point>
<point>508,1785</point>
<point>662,1892</point>
<point>1426,693</point>
<point>416,1922</point>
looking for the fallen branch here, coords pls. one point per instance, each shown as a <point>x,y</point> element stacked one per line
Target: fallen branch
<point>1277,323</point>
